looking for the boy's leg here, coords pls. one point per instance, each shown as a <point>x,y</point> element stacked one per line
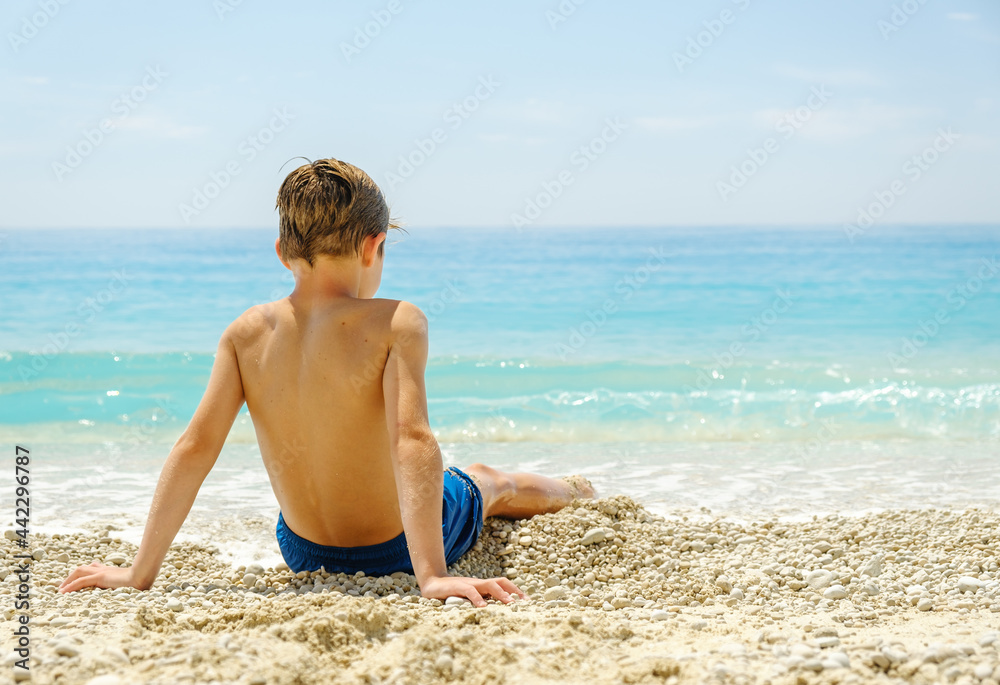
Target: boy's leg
<point>522,495</point>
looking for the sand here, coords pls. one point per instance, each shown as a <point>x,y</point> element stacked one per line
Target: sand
<point>617,595</point>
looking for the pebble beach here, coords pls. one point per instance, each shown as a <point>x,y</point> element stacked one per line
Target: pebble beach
<point>616,594</point>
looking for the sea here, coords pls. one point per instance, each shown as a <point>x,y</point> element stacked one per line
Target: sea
<point>743,372</point>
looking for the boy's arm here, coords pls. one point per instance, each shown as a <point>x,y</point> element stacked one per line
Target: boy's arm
<point>416,459</point>
<point>190,460</point>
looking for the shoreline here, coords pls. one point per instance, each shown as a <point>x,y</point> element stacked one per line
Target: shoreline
<point>617,594</point>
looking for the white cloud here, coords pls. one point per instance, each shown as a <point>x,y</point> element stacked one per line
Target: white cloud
<point>974,141</point>
<point>36,80</point>
<point>537,111</point>
<point>833,123</point>
<point>962,16</point>
<point>829,77</point>
<point>508,138</point>
<point>675,124</point>
<point>159,127</point>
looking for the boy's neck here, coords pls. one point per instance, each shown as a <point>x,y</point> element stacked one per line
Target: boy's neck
<point>327,279</point>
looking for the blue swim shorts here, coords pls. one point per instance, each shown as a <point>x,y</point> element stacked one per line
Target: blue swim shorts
<point>461,523</point>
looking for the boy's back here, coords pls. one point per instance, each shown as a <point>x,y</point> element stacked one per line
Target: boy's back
<point>312,379</point>
<point>334,382</point>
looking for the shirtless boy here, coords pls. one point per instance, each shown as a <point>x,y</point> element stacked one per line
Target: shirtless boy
<point>333,379</point>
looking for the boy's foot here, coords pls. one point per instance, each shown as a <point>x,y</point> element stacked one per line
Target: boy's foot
<point>582,488</point>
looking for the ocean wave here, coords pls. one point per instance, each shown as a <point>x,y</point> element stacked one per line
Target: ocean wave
<point>150,397</point>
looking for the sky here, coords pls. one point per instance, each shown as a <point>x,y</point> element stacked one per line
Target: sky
<point>516,114</point>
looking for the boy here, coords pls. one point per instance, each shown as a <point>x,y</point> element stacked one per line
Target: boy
<point>334,382</point>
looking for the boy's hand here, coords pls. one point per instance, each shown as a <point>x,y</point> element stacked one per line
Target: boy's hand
<point>97,574</point>
<point>472,588</point>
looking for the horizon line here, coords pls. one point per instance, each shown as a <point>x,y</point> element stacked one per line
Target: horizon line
<point>586,227</point>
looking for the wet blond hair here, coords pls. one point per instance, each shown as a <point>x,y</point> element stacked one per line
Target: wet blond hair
<point>329,207</point>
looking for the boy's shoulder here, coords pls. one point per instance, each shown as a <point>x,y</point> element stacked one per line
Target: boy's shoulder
<point>394,316</point>
<point>402,321</point>
<point>406,316</point>
<point>252,322</point>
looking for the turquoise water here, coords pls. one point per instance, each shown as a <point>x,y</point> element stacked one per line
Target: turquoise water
<point>552,336</point>
<point>742,370</point>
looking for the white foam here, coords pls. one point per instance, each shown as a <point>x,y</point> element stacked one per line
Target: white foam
<point>75,488</point>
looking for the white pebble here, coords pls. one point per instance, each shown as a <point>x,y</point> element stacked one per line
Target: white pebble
<point>835,592</point>
<point>836,660</point>
<point>620,602</point>
<point>117,654</point>
<point>820,579</point>
<point>983,671</point>
<point>107,679</point>
<point>174,604</point>
<point>969,584</point>
<point>444,663</point>
<point>592,536</point>
<point>554,593</point>
<point>68,649</point>
<point>874,567</point>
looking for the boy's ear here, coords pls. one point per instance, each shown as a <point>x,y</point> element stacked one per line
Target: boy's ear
<point>371,245</point>
<point>277,251</point>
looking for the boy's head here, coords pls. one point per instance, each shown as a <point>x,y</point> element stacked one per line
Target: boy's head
<point>329,207</point>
